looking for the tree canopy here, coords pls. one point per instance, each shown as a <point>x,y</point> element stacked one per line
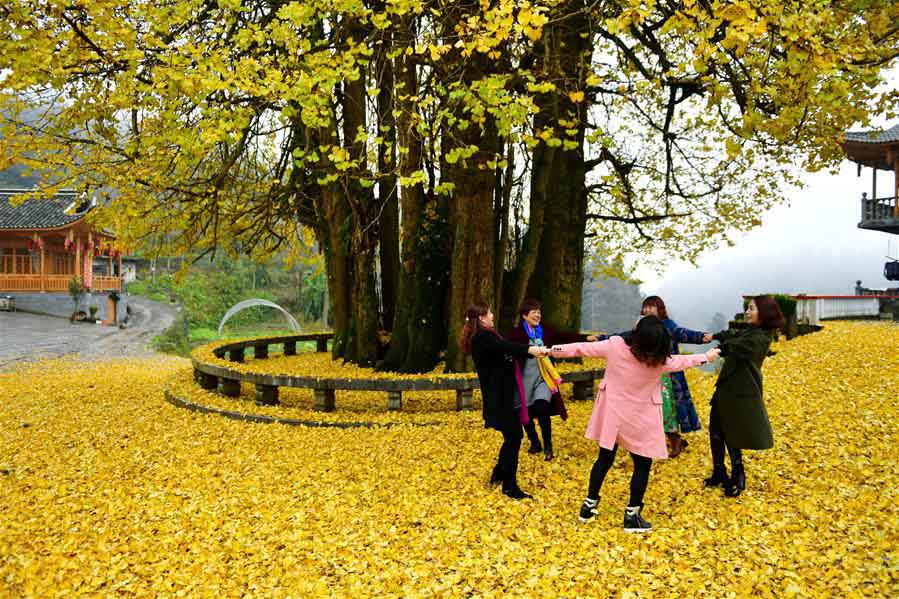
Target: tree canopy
<point>439,152</point>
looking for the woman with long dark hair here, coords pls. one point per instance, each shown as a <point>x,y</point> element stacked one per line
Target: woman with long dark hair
<point>628,408</point>
<point>543,400</point>
<point>501,398</point>
<point>738,419</point>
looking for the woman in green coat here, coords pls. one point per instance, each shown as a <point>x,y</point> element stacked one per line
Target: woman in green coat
<point>738,419</point>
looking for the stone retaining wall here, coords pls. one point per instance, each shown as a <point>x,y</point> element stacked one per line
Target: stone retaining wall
<point>60,304</point>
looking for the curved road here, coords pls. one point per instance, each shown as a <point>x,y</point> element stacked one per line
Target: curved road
<point>25,337</point>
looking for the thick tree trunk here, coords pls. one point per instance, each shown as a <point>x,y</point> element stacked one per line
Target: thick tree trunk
<point>474,237</point>
<point>389,253</point>
<point>334,218</point>
<point>558,277</point>
<point>362,330</point>
<point>558,192</point>
<point>365,304</point>
<point>418,332</point>
<point>472,221</point>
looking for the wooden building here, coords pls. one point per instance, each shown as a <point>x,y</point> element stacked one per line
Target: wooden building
<point>46,242</point>
<point>877,150</point>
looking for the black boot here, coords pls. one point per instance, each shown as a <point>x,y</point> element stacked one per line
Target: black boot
<point>531,429</point>
<point>737,482</point>
<point>633,521</point>
<point>719,477</point>
<point>588,510</point>
<point>513,491</point>
<point>497,476</point>
<point>548,454</point>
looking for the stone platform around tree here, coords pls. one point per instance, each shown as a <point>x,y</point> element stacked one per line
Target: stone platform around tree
<point>222,367</point>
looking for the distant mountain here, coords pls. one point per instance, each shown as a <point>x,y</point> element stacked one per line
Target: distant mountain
<point>608,304</point>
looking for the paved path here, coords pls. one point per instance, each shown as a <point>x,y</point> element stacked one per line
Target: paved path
<point>25,337</point>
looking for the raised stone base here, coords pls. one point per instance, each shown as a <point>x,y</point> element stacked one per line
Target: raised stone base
<point>229,387</point>
<point>582,391</point>
<point>463,399</point>
<point>324,400</point>
<point>207,381</point>
<point>267,395</point>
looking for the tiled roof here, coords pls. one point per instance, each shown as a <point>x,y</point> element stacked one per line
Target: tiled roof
<point>42,213</point>
<point>874,137</point>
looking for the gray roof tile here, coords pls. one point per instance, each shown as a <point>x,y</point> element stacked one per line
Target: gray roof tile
<point>874,137</point>
<point>41,214</point>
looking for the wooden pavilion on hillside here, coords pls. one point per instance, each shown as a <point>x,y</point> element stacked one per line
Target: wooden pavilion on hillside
<point>878,150</point>
<point>46,242</point>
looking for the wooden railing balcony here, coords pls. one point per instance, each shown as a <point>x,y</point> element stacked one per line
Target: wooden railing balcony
<point>879,214</point>
<point>53,283</point>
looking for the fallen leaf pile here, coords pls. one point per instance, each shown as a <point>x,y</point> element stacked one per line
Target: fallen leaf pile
<point>108,490</point>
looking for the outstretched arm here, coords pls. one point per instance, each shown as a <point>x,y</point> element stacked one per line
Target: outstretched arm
<point>725,335</point>
<point>623,334</point>
<point>554,336</point>
<point>595,349</point>
<point>677,363</point>
<point>685,335</point>
<point>748,347</point>
<point>496,345</point>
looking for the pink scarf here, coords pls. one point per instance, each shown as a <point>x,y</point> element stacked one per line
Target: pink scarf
<point>523,415</point>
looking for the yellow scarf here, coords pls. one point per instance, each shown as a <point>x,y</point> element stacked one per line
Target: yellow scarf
<point>549,373</point>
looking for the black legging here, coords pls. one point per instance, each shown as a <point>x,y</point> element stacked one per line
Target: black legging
<point>539,411</point>
<point>639,479</point>
<point>717,443</point>
<point>507,462</point>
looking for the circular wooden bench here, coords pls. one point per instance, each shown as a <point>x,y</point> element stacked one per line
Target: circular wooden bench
<point>227,380</point>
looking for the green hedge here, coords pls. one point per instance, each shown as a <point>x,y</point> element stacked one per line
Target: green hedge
<point>787,306</point>
<point>786,303</point>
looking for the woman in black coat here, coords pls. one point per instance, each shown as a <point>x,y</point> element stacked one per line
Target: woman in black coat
<point>738,419</point>
<point>494,360</point>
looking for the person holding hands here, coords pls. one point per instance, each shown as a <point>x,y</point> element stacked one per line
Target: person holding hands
<point>738,419</point>
<point>543,395</point>
<point>628,408</point>
<point>503,405</point>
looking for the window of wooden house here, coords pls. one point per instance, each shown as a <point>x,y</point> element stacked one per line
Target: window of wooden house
<point>20,262</point>
<point>62,264</point>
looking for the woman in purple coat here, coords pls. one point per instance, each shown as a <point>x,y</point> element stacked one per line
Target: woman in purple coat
<point>542,403</point>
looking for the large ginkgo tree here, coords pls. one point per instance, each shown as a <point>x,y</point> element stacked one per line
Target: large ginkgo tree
<point>439,152</point>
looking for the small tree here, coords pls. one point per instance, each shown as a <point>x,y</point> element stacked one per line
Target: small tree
<point>76,291</point>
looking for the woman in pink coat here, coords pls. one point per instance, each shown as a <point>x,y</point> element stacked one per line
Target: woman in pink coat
<point>628,408</point>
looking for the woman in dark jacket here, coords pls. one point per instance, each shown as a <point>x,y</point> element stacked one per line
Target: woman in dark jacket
<point>494,360</point>
<point>542,403</point>
<point>738,419</point>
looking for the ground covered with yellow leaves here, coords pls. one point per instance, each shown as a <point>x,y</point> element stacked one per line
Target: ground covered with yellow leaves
<point>107,490</point>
